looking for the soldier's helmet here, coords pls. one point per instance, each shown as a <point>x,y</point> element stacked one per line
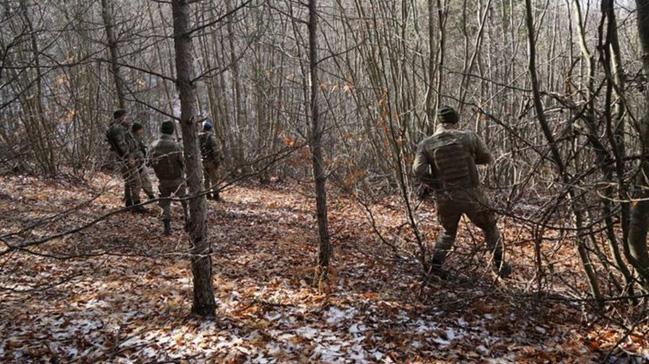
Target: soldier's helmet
<point>167,127</point>
<point>447,115</point>
<point>207,125</point>
<point>136,126</point>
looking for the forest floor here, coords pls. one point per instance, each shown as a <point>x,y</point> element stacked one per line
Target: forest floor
<point>120,292</point>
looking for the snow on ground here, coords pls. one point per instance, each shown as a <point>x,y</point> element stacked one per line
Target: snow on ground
<point>129,300</point>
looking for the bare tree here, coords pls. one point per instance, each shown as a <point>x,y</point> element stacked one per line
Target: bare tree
<point>111,43</point>
<point>315,143</point>
<point>201,248</point>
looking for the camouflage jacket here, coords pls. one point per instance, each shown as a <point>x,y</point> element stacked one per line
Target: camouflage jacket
<point>142,149</point>
<point>209,148</point>
<point>121,141</point>
<point>166,158</point>
<point>454,168</point>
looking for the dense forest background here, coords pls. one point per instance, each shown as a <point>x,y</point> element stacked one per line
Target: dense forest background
<point>341,92</point>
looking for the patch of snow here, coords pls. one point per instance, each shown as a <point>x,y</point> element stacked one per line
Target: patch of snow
<point>334,315</point>
<point>307,332</point>
<point>440,341</point>
<point>358,354</point>
<point>272,316</point>
<point>450,334</point>
<point>327,354</point>
<point>356,328</point>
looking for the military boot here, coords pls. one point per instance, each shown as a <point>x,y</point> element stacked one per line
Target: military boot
<point>167,226</point>
<point>137,208</point>
<point>436,267</point>
<point>128,203</point>
<point>503,270</point>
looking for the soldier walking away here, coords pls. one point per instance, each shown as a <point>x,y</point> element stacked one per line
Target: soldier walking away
<point>126,151</point>
<point>167,161</point>
<point>211,161</point>
<point>138,133</point>
<point>446,163</point>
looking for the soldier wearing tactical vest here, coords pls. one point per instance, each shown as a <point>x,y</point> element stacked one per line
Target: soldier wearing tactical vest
<point>211,161</point>
<point>446,163</point>
<point>167,161</point>
<point>126,150</point>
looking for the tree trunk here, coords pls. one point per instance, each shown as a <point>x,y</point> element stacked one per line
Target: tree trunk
<point>112,48</point>
<point>640,211</point>
<point>201,260</point>
<point>315,144</point>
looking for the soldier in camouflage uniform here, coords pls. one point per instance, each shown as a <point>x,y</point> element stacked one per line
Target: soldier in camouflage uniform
<point>138,133</point>
<point>211,161</point>
<point>446,163</point>
<point>167,160</point>
<point>125,148</point>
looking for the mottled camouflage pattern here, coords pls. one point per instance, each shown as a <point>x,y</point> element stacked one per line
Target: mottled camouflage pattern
<point>211,161</point>
<point>448,158</point>
<point>147,186</point>
<point>168,188</point>
<point>120,140</point>
<point>167,160</point>
<point>125,148</point>
<point>446,162</point>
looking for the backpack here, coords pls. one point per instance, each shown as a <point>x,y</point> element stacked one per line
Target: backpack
<point>110,139</point>
<point>452,164</point>
<point>164,160</point>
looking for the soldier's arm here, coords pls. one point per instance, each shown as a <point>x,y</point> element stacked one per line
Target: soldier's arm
<point>153,155</point>
<point>421,167</point>
<point>481,153</point>
<point>179,157</point>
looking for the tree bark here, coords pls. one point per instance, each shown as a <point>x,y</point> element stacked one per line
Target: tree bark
<point>201,260</point>
<point>319,176</point>
<point>114,55</point>
<point>640,210</point>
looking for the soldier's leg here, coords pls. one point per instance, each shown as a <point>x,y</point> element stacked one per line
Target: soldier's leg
<point>146,183</point>
<point>128,195</point>
<point>136,184</point>
<point>135,188</point>
<point>213,175</point>
<point>448,216</point>
<point>207,181</point>
<point>486,221</point>
<point>165,204</point>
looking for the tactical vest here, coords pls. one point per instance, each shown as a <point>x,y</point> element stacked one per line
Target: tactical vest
<point>453,166</point>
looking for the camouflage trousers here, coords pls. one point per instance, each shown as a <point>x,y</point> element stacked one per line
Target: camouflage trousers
<point>210,175</point>
<point>474,204</point>
<point>167,188</point>
<point>145,181</point>
<point>132,183</point>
